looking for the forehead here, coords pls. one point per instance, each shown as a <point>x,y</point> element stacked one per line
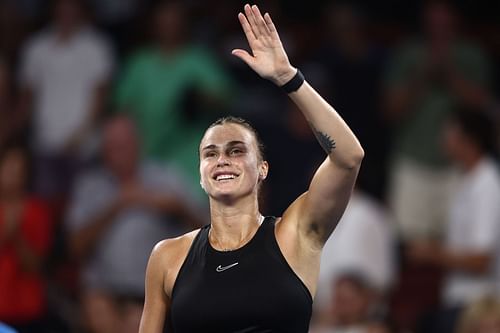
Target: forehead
<point>222,134</point>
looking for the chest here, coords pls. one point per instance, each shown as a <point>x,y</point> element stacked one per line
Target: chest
<point>235,291</point>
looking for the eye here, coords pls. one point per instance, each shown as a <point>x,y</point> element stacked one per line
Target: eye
<point>236,151</point>
<point>210,153</point>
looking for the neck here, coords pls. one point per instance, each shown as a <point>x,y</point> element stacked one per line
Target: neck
<point>64,33</point>
<point>232,225</point>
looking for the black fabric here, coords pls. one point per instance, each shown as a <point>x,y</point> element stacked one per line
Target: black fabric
<point>295,83</point>
<point>259,294</point>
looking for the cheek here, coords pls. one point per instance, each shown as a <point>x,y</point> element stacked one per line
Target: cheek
<point>204,169</point>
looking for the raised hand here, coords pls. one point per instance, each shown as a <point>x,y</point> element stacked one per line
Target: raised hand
<point>268,58</point>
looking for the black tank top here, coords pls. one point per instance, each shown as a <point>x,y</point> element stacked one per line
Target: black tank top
<point>251,289</point>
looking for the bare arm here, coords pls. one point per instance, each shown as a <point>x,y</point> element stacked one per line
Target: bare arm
<point>436,254</point>
<point>156,302</point>
<point>320,208</point>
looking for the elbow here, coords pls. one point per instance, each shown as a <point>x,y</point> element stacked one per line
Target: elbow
<point>355,158</point>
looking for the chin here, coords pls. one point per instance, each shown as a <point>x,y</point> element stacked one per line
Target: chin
<point>228,195</point>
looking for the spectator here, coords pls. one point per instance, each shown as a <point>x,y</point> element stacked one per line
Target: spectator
<point>482,316</point>
<point>470,252</point>
<point>354,307</point>
<point>64,73</point>
<point>118,212</point>
<point>427,79</point>
<point>25,241</point>
<point>160,88</point>
<point>363,242</point>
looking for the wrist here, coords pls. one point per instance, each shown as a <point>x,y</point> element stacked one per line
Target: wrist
<point>285,76</point>
<point>294,83</point>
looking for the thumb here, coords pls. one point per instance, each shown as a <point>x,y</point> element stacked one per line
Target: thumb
<point>243,55</point>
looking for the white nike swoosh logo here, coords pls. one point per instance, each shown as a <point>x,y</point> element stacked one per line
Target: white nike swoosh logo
<point>222,269</point>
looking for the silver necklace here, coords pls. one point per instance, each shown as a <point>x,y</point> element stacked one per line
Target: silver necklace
<point>225,249</point>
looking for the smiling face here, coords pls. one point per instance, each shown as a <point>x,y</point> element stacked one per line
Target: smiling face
<point>230,163</point>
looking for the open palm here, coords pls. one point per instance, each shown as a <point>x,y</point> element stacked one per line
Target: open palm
<point>268,57</point>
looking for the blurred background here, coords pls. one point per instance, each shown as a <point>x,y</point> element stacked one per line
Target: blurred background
<point>103,104</point>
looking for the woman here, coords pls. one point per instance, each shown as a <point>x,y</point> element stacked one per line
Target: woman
<point>25,241</point>
<point>243,272</point>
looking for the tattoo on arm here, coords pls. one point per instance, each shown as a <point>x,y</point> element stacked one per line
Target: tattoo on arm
<point>326,142</point>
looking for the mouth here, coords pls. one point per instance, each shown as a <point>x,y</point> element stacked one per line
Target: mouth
<point>224,176</point>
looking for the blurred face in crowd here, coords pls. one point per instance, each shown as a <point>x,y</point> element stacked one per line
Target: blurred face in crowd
<point>170,23</point>
<point>13,172</point>
<point>346,26</point>
<point>440,22</point>
<point>121,147</point>
<point>351,302</point>
<point>68,14</point>
<point>230,163</point>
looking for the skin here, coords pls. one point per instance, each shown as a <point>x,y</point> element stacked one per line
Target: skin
<point>306,224</point>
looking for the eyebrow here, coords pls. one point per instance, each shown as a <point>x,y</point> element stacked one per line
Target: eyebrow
<point>230,144</point>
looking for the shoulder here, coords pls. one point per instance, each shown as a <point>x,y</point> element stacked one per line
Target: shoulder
<point>168,256</point>
<point>170,248</point>
<point>38,42</point>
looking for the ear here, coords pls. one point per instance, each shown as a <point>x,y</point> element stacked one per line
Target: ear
<point>263,170</point>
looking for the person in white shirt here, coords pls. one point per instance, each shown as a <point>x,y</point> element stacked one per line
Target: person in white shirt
<point>64,73</point>
<point>470,250</point>
<point>363,242</point>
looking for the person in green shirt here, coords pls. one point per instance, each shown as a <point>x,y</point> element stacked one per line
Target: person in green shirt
<point>427,80</point>
<point>160,86</point>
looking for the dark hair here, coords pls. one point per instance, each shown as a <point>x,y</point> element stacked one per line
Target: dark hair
<point>246,124</point>
<point>477,126</point>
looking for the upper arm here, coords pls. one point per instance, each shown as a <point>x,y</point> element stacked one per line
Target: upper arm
<point>318,211</point>
<point>156,302</point>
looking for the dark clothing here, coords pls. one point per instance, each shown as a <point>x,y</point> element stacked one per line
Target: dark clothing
<point>251,289</point>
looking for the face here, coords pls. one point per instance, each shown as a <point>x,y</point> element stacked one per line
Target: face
<point>454,141</point>
<point>439,21</point>
<point>121,147</point>
<point>68,13</point>
<point>230,166</point>
<point>350,303</point>
<point>169,22</point>
<point>13,172</point>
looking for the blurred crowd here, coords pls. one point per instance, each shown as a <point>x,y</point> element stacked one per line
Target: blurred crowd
<point>103,104</point>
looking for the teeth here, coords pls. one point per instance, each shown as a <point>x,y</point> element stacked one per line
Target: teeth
<point>223,177</point>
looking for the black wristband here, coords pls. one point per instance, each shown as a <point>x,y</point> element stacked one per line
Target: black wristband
<point>295,83</point>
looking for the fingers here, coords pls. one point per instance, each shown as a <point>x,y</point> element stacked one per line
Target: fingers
<point>243,55</point>
<point>270,26</point>
<point>247,29</point>
<point>251,20</point>
<point>261,24</point>
<point>256,21</point>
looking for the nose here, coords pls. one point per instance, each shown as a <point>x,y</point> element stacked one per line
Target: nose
<point>223,160</point>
